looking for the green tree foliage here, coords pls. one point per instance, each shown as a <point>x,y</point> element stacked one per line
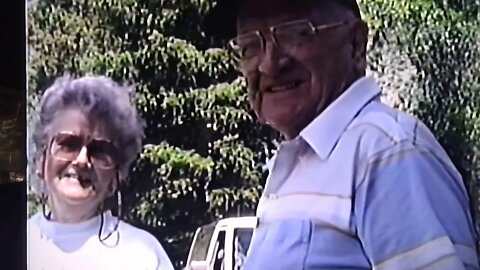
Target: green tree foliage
<point>203,149</point>
<point>439,78</point>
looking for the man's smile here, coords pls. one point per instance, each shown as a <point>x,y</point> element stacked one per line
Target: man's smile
<point>284,86</point>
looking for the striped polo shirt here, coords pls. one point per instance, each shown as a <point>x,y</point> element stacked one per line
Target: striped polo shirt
<point>363,186</point>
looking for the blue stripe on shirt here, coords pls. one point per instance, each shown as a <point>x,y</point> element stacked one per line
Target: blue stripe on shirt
<point>397,212</point>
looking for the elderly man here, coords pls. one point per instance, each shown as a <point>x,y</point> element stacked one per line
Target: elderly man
<point>356,184</point>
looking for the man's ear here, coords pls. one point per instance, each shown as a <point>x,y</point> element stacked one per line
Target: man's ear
<point>360,39</point>
<point>359,45</point>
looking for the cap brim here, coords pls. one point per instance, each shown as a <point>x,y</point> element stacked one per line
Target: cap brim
<point>221,20</point>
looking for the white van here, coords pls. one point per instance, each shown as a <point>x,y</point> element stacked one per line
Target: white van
<point>221,245</point>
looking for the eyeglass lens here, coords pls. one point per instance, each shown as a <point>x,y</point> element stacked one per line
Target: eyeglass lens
<point>67,146</point>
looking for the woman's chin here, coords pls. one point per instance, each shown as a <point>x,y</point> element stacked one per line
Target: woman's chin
<point>77,194</point>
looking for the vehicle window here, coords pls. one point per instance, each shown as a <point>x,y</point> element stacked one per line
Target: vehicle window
<point>242,238</point>
<point>219,254</point>
<point>202,242</point>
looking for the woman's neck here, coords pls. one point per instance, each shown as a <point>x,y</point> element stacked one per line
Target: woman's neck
<point>63,213</point>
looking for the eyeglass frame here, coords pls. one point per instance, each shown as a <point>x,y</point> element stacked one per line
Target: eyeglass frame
<point>89,139</point>
<point>273,29</point>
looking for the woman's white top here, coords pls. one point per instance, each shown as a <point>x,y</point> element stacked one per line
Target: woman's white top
<point>55,246</point>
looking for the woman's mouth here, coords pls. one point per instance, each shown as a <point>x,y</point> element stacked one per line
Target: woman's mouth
<point>83,181</point>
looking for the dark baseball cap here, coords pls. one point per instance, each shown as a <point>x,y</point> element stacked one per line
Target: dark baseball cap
<point>221,21</point>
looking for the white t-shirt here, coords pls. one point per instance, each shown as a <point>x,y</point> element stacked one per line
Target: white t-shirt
<point>57,246</point>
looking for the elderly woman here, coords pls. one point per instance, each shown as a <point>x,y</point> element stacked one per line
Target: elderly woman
<point>85,138</point>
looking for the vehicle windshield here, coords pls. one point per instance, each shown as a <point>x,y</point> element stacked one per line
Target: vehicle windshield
<point>200,246</point>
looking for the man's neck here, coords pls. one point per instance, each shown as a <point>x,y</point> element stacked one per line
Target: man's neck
<point>345,86</point>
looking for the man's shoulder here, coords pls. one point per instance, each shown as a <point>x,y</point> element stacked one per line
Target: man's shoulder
<point>379,127</point>
<point>387,121</point>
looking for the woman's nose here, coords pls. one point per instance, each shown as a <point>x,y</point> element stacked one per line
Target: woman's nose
<point>82,158</point>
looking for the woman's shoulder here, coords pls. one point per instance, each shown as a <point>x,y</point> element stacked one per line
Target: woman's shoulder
<point>34,216</point>
<point>144,243</point>
<point>33,222</point>
<point>131,232</point>
<point>137,237</point>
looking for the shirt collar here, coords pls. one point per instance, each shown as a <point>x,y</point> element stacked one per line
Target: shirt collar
<point>323,133</point>
<point>56,230</point>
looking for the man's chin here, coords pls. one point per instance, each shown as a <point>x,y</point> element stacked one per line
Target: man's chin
<point>285,129</point>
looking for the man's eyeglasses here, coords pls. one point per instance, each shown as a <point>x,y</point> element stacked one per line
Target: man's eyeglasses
<point>66,146</point>
<point>285,36</point>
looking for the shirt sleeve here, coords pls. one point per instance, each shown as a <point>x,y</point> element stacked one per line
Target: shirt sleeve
<point>412,212</point>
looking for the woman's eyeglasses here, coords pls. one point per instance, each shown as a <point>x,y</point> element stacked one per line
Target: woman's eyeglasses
<point>66,146</point>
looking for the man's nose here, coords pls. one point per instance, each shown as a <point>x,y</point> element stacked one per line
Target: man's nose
<point>274,59</point>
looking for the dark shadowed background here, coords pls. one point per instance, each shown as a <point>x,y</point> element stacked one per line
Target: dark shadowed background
<point>12,136</point>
